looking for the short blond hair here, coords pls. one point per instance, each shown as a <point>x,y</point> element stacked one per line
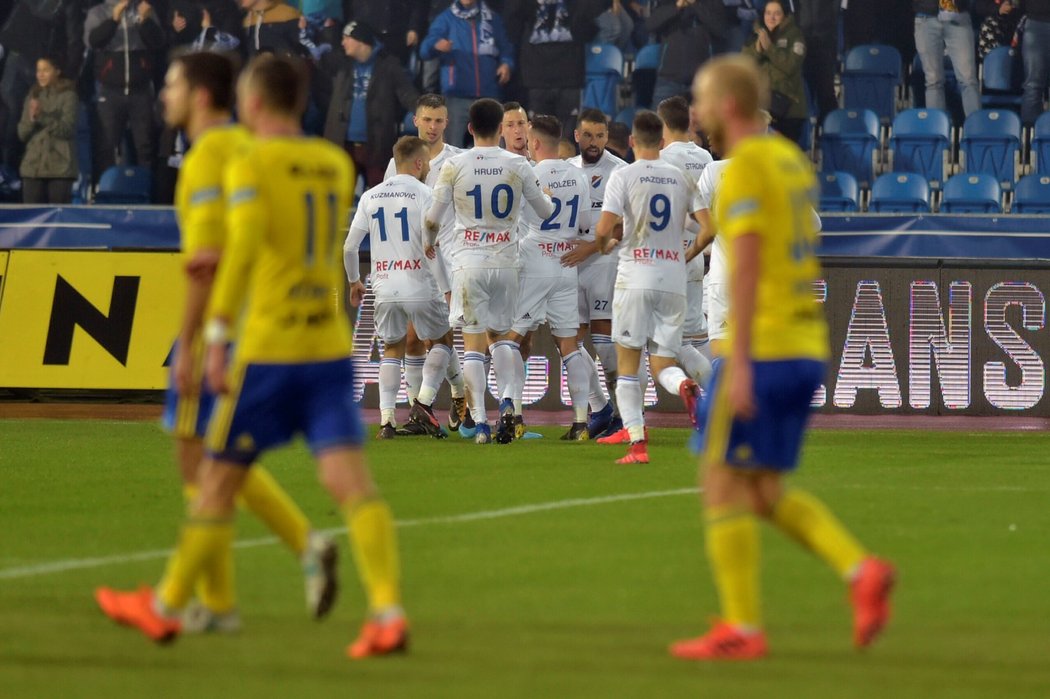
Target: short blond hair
<point>407,148</point>
<point>737,77</point>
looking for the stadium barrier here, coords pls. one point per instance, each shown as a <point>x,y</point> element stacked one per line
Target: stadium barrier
<point>934,335</point>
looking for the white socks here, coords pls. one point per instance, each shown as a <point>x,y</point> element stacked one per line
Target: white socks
<point>629,401</point>
<point>389,384</point>
<point>578,373</point>
<point>671,379</point>
<point>413,376</point>
<point>510,369</point>
<point>476,377</point>
<point>434,369</point>
<point>695,364</point>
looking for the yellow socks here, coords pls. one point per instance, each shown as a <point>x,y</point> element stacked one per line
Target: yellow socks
<point>811,523</point>
<point>268,501</point>
<point>374,543</point>
<point>214,585</point>
<point>202,545</point>
<point>732,548</point>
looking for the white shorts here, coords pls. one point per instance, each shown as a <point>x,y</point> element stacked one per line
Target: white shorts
<point>596,290</point>
<point>717,311</point>
<point>429,318</point>
<point>548,299</point>
<point>695,323</point>
<point>484,299</point>
<point>647,318</point>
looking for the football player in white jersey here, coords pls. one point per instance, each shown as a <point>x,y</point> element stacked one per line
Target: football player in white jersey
<point>644,212</point>
<point>548,291</point>
<point>597,272</point>
<point>487,187</point>
<point>691,159</point>
<point>431,120</point>
<point>516,130</point>
<point>406,290</point>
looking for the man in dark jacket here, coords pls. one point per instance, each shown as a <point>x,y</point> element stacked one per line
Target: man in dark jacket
<point>370,95</point>
<point>686,28</point>
<point>398,24</point>
<point>818,20</point>
<point>124,36</point>
<point>552,35</point>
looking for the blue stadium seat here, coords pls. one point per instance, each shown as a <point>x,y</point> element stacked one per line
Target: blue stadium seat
<point>969,193</point>
<point>991,143</point>
<point>604,72</point>
<point>1032,195</point>
<point>648,57</point>
<point>921,142</point>
<point>871,78</point>
<point>626,116</point>
<point>900,193</point>
<point>1041,145</point>
<point>124,185</point>
<point>408,127</point>
<point>1002,77</point>
<point>850,143</point>
<point>839,192</point>
<point>643,77</point>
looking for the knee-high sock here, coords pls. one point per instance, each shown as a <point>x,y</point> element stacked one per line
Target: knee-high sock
<point>454,374</point>
<point>413,375</point>
<point>202,544</point>
<point>695,363</point>
<point>703,346</point>
<point>214,587</point>
<point>643,374</point>
<point>807,520</point>
<point>596,397</point>
<point>267,500</point>
<point>577,373</point>
<point>671,379</point>
<point>506,359</point>
<point>606,350</point>
<point>389,384</point>
<point>374,543</point>
<point>477,380</point>
<point>732,541</point>
<point>629,400</point>
<point>434,370</point>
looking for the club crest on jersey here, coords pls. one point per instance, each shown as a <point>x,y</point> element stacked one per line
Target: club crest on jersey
<point>596,181</point>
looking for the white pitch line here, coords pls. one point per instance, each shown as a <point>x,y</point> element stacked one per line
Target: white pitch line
<point>85,563</point>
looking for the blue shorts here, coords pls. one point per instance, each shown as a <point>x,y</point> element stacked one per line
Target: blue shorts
<point>186,417</point>
<point>268,404</point>
<point>772,439</point>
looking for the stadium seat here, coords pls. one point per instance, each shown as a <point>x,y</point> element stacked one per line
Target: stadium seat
<point>900,193</point>
<point>871,78</point>
<point>408,127</point>
<point>1002,76</point>
<point>969,193</point>
<point>839,192</point>
<point>643,78</point>
<point>1032,195</point>
<point>124,185</point>
<point>604,73</point>
<point>921,142</point>
<point>626,116</point>
<point>850,143</point>
<point>1041,145</point>
<point>991,144</point>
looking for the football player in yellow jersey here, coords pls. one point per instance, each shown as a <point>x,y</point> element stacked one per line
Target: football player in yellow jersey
<point>288,198</point>
<point>774,361</point>
<point>198,98</point>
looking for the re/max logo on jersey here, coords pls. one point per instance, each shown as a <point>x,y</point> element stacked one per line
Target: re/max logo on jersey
<point>486,236</point>
<point>554,249</point>
<point>657,254</point>
<point>396,265</point>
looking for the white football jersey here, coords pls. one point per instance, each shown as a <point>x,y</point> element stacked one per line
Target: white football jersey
<point>435,165</point>
<point>392,214</point>
<point>544,241</point>
<point>487,187</point>
<point>690,159</point>
<point>654,198</point>
<point>706,187</point>
<point>598,174</point>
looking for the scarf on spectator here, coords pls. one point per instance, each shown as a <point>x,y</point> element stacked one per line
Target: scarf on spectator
<point>552,23</point>
<point>486,39</point>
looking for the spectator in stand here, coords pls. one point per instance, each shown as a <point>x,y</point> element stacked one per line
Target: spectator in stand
<point>370,96</point>
<point>204,24</point>
<point>945,25</point>
<point>999,20</point>
<point>476,56</point>
<point>1035,49</point>
<point>616,27</point>
<point>778,47</point>
<point>48,127</point>
<point>687,29</point>
<point>124,38</point>
<point>399,24</point>
<point>552,36</point>
<point>819,22</point>
<point>270,26</point>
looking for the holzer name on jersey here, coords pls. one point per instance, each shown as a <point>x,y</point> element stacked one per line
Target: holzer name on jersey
<point>564,184</point>
<point>486,236</point>
<point>396,265</point>
<point>657,254</point>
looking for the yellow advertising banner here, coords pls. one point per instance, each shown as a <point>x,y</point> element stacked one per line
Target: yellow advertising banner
<point>88,320</point>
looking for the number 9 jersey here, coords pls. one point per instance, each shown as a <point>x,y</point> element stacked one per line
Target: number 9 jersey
<point>287,204</point>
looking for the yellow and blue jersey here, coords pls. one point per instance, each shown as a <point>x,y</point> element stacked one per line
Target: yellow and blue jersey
<point>287,207</point>
<point>767,190</point>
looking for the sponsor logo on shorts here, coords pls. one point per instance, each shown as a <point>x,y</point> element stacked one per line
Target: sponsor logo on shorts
<point>397,265</point>
<point>657,254</point>
<point>472,236</point>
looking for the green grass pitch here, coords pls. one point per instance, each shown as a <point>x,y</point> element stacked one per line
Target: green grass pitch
<point>575,597</point>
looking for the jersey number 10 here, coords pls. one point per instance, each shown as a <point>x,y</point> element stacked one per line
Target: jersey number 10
<point>497,210</point>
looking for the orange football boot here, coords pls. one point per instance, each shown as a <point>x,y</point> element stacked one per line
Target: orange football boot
<point>637,453</point>
<point>870,596</point>
<point>722,642</point>
<point>380,638</point>
<point>136,609</point>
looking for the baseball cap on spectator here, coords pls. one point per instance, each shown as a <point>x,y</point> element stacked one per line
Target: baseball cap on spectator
<point>358,31</point>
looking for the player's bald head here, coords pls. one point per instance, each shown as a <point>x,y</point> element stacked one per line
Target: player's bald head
<point>279,83</point>
<point>734,80</point>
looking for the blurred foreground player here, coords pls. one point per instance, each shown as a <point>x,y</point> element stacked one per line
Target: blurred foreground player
<point>775,360</point>
<point>291,371</point>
